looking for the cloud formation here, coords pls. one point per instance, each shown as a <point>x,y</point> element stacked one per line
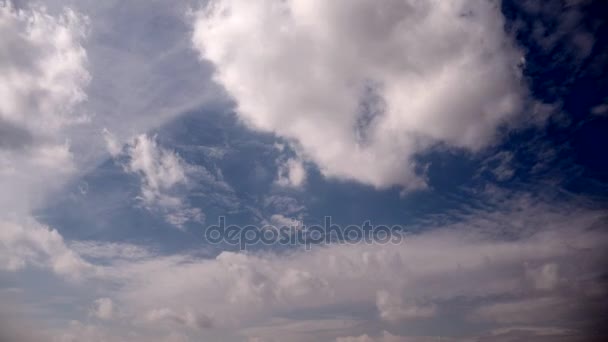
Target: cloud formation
<point>360,88</point>
<point>42,79</point>
<point>291,173</point>
<point>162,172</point>
<point>529,263</point>
<point>29,243</point>
<point>43,75</point>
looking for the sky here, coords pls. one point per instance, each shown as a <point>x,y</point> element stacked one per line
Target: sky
<point>303,170</point>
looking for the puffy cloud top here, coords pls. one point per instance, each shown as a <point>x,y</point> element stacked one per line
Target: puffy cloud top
<point>42,68</point>
<point>361,87</point>
<point>42,79</point>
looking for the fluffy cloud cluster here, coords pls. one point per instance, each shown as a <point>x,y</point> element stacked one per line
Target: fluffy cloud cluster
<point>522,267</point>
<point>362,87</point>
<point>357,87</point>
<point>525,270</point>
<point>43,71</point>
<point>42,79</point>
<point>32,244</point>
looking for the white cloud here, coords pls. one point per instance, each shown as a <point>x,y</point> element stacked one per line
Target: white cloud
<point>112,144</point>
<point>521,264</point>
<point>364,131</point>
<point>279,221</point>
<point>109,250</point>
<point>392,308</point>
<point>43,68</point>
<point>144,75</point>
<point>188,318</point>
<point>291,173</point>
<point>43,75</point>
<point>162,172</point>
<point>31,244</point>
<point>361,87</point>
<point>42,79</point>
<point>526,263</point>
<point>160,169</point>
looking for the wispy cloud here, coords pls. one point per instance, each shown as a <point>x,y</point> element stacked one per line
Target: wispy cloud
<point>162,173</point>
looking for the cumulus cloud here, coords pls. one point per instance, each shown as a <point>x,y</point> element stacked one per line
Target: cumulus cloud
<point>43,75</point>
<point>42,79</point>
<point>360,88</point>
<point>30,243</point>
<point>526,263</point>
<point>43,68</point>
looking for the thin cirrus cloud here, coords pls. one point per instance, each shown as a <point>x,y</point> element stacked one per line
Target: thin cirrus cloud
<point>164,177</point>
<point>362,87</point>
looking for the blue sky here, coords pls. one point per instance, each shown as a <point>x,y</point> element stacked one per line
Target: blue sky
<point>127,129</point>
